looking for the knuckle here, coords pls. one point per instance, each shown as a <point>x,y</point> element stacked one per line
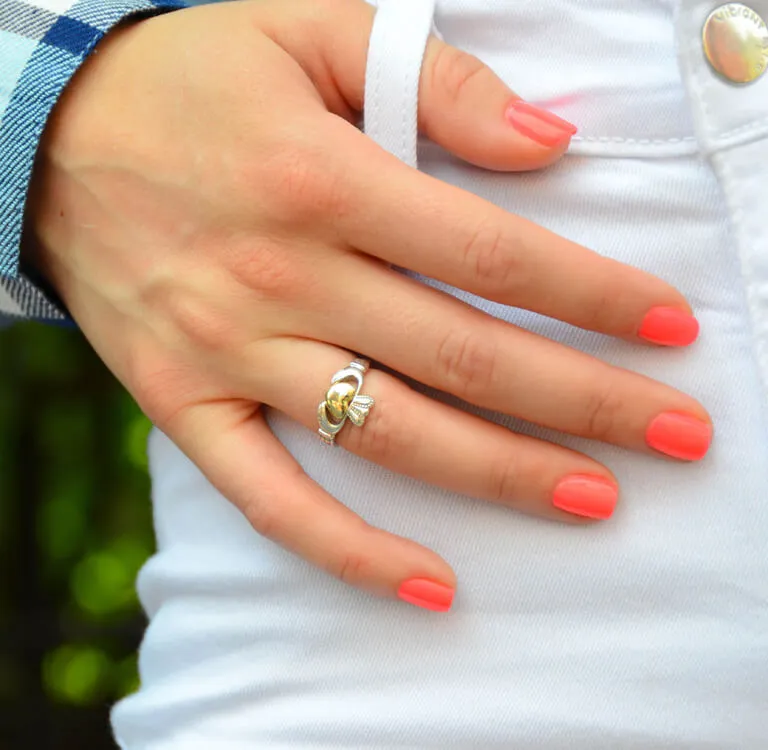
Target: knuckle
<point>350,567</point>
<point>298,183</point>
<point>263,517</point>
<point>602,410</point>
<point>467,361</point>
<point>505,480</point>
<point>270,268</point>
<point>203,322</point>
<point>490,258</point>
<point>262,505</point>
<point>600,310</point>
<point>156,392</point>
<point>184,304</point>
<point>453,70</point>
<point>164,386</point>
<point>381,437</point>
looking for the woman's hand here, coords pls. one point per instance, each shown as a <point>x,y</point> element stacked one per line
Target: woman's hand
<point>221,232</point>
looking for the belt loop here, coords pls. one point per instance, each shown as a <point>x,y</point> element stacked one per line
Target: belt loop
<point>395,54</point>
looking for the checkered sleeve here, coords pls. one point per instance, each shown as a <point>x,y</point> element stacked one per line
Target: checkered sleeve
<point>42,43</point>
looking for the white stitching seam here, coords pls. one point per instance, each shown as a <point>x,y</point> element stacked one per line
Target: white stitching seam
<point>733,201</point>
<point>644,141</point>
<point>754,125</point>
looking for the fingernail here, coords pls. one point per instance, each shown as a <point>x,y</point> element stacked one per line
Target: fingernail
<point>679,435</point>
<point>538,124</point>
<point>426,594</point>
<point>586,495</point>
<point>669,326</point>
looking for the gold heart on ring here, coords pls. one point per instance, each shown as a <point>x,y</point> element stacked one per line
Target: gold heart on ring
<point>339,397</point>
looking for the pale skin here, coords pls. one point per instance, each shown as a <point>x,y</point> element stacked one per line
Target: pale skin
<point>200,191</point>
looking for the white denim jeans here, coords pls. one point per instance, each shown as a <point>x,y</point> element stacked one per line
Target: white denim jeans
<point>648,631</point>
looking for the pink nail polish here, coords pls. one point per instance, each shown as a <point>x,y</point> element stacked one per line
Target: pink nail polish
<point>538,124</point>
<point>426,594</point>
<point>669,326</point>
<point>679,435</point>
<point>586,495</point>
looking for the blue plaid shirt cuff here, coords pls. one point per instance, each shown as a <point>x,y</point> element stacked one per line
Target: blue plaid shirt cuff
<point>42,43</point>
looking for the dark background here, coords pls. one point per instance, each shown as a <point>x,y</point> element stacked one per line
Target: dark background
<point>75,526</point>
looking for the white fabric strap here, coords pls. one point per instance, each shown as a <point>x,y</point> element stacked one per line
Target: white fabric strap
<point>395,53</point>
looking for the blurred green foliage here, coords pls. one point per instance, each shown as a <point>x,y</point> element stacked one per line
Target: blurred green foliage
<point>75,527</point>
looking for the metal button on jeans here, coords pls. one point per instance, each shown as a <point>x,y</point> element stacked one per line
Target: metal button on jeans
<point>736,42</point>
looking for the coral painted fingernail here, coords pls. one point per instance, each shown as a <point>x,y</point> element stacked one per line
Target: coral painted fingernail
<point>586,495</point>
<point>669,326</point>
<point>538,124</point>
<point>679,435</point>
<point>426,594</point>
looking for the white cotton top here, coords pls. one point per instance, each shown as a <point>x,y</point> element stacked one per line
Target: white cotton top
<point>648,631</point>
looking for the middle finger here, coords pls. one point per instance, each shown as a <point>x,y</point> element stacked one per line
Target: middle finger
<point>449,345</point>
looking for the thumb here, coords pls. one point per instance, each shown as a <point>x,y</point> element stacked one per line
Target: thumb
<point>466,108</point>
